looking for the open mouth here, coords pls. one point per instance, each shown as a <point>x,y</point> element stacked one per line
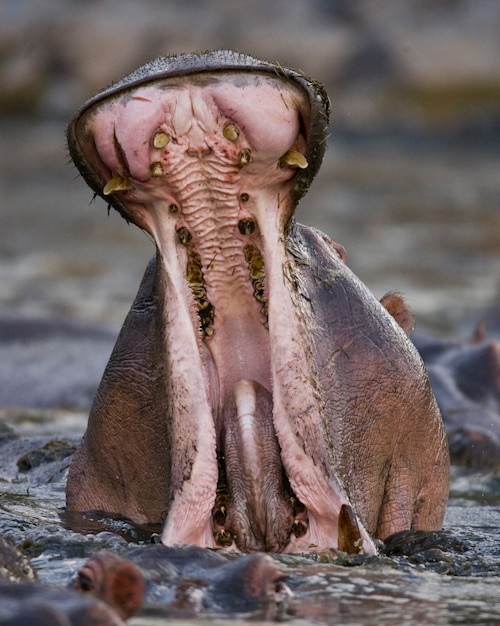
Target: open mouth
<point>207,164</point>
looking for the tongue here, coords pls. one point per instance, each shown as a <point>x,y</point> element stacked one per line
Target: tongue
<point>259,512</point>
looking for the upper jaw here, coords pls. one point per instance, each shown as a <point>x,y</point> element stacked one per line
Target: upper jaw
<point>211,63</point>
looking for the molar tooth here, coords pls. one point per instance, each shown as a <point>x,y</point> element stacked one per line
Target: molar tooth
<point>254,260</point>
<point>221,499</point>
<point>231,132</point>
<point>198,289</point>
<point>246,226</point>
<point>244,157</point>
<point>257,272</point>
<point>297,505</point>
<point>258,294</point>
<point>294,159</point>
<point>117,183</point>
<point>224,538</point>
<point>298,529</point>
<point>202,303</point>
<point>194,276</point>
<point>184,236</point>
<point>219,517</point>
<point>161,139</point>
<point>156,169</point>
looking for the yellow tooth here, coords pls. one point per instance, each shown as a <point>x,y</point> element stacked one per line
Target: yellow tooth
<point>156,169</point>
<point>161,139</point>
<point>231,132</point>
<point>349,535</point>
<point>117,183</point>
<point>244,157</point>
<point>298,528</point>
<point>295,159</point>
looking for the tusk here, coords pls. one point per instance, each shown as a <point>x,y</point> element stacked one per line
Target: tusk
<point>117,183</point>
<point>349,533</point>
<point>294,159</point>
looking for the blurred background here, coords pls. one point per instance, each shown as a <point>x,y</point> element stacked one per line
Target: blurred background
<point>410,183</point>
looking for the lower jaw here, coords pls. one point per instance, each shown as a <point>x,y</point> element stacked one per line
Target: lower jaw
<point>255,507</point>
<point>248,453</point>
<point>305,536</point>
<point>203,506</point>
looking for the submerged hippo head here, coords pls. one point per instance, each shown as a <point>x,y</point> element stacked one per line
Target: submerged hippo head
<point>258,397</point>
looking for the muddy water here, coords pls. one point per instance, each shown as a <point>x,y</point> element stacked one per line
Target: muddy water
<point>416,216</point>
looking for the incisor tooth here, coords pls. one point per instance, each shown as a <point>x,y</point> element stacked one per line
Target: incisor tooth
<point>294,159</point>
<point>161,139</point>
<point>117,183</point>
<point>231,132</point>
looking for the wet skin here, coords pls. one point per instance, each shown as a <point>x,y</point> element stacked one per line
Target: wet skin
<point>465,376</point>
<point>25,604</point>
<point>258,396</point>
<point>183,580</point>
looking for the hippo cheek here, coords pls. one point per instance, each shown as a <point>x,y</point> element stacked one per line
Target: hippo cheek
<point>207,165</point>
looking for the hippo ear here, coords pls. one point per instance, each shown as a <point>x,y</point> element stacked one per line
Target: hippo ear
<point>125,588</point>
<point>399,309</point>
<point>116,581</point>
<point>338,247</point>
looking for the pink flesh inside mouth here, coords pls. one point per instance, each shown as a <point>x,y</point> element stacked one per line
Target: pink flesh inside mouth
<point>206,165</point>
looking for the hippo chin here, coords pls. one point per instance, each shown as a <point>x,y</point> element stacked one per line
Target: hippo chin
<point>258,397</point>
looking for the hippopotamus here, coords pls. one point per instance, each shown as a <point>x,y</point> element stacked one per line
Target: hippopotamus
<point>24,601</point>
<point>24,604</point>
<point>465,377</point>
<point>180,581</point>
<point>258,397</point>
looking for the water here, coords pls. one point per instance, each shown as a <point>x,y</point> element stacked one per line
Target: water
<point>456,585</point>
<point>415,216</point>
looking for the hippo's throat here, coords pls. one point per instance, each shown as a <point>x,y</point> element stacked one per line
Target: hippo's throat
<point>206,166</point>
